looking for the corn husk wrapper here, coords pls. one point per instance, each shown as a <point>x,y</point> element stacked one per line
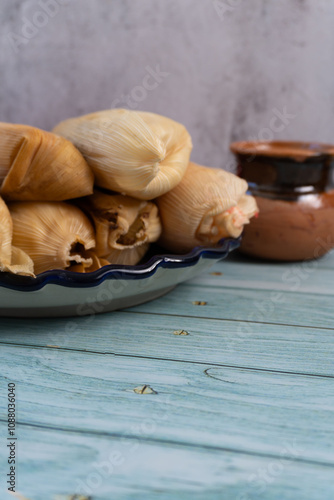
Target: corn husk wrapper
<point>128,256</point>
<point>137,153</point>
<point>12,259</point>
<point>236,217</point>
<point>39,165</point>
<point>208,205</point>
<point>124,226</point>
<point>54,234</point>
<point>97,263</point>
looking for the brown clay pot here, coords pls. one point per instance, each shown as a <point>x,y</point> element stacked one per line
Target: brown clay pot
<point>291,182</point>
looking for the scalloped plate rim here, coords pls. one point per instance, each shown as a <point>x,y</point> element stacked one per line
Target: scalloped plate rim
<point>78,280</point>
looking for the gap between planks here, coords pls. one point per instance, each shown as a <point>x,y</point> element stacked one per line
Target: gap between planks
<point>208,364</point>
<point>168,442</point>
<point>207,318</point>
<point>264,288</point>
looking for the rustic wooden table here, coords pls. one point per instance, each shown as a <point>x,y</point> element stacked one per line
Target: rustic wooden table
<point>232,398</point>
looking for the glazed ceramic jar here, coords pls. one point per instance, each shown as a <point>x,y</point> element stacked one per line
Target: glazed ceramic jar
<point>291,182</point>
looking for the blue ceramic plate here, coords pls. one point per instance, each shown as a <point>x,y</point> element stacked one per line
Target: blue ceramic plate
<point>65,293</point>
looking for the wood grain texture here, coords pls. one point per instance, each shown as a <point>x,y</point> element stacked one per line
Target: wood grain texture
<point>244,404</point>
<point>316,277</point>
<point>251,305</point>
<point>248,411</point>
<point>252,345</point>
<point>130,469</point>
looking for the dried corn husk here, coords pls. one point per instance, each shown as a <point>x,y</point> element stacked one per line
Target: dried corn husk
<point>55,235</point>
<point>97,263</point>
<point>207,205</point>
<point>12,259</point>
<point>39,165</point>
<point>124,226</point>
<point>128,256</point>
<point>236,217</point>
<point>137,153</point>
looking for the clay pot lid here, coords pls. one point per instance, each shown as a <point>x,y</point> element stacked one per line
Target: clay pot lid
<point>296,150</point>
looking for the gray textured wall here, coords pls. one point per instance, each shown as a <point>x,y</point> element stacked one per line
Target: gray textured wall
<point>227,69</point>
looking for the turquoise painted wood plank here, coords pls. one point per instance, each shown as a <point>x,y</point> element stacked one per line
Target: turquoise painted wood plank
<point>259,306</point>
<point>239,270</point>
<point>63,463</point>
<point>306,277</point>
<point>325,262</point>
<point>242,410</point>
<point>252,345</point>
